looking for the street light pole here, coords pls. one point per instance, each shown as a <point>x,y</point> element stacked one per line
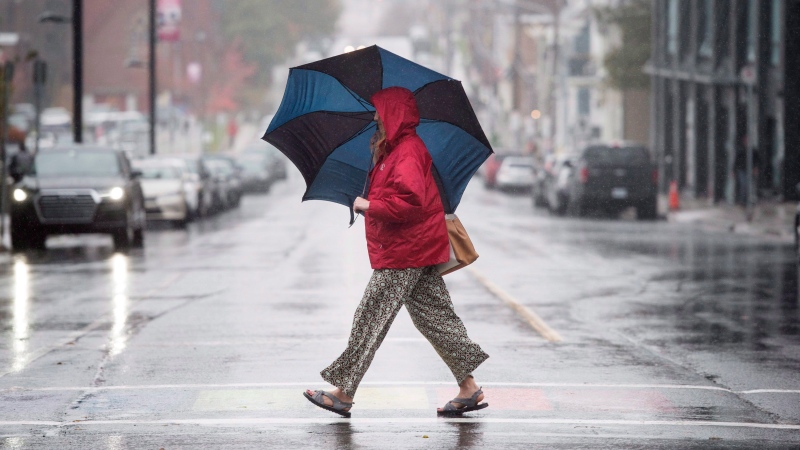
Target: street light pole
<point>152,75</point>
<point>77,70</point>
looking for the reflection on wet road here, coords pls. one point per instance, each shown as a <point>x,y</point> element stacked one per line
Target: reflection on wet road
<point>672,336</point>
<point>119,277</point>
<point>20,324</point>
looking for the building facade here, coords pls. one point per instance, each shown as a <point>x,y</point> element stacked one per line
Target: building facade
<point>722,88</point>
<point>537,67</point>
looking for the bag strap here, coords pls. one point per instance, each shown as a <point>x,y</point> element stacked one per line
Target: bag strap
<point>440,186</point>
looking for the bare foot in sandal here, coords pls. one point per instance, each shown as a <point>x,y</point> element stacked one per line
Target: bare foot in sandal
<point>467,389</point>
<point>338,393</point>
<point>335,401</point>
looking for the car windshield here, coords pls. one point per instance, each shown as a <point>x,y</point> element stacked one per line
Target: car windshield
<point>191,164</point>
<point>76,163</point>
<point>220,167</point>
<point>260,148</point>
<point>159,172</point>
<point>252,164</point>
<point>605,155</point>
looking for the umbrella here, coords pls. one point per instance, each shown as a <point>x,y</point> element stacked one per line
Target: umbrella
<point>325,122</point>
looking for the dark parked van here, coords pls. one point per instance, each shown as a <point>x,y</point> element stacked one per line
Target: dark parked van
<point>612,177</point>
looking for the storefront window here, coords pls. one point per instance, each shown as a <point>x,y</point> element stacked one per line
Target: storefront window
<point>752,25</point>
<point>584,101</point>
<point>672,27</point>
<point>707,30</point>
<point>775,33</point>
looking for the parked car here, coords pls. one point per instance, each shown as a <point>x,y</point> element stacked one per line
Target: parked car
<point>275,159</point>
<point>515,174</point>
<point>490,168</point>
<point>540,174</point>
<point>256,175</point>
<point>556,185</point>
<point>227,175</point>
<point>78,189</point>
<point>201,186</point>
<point>164,182</point>
<point>797,226</point>
<point>612,177</point>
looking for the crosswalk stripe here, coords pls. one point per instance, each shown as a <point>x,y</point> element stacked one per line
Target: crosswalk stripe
<point>402,420</point>
<point>316,384</point>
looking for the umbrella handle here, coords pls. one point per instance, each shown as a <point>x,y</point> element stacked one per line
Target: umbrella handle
<point>353,215</point>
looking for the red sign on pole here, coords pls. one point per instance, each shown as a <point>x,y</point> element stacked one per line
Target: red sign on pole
<point>169,18</point>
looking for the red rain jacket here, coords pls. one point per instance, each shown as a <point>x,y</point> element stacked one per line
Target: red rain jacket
<point>405,222</point>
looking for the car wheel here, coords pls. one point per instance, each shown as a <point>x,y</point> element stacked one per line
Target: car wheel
<point>181,223</point>
<point>563,204</point>
<point>647,210</point>
<point>138,238</point>
<point>577,209</point>
<point>190,214</point>
<point>20,240</point>
<point>538,198</point>
<point>123,237</point>
<point>203,210</point>
<point>797,236</point>
<point>26,237</point>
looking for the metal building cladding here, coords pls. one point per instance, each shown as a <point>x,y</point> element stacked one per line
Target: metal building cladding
<point>721,70</point>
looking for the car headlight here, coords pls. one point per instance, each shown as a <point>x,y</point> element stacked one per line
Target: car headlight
<point>115,194</point>
<point>20,195</point>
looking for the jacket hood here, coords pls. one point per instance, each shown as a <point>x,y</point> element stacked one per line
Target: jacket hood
<point>397,108</point>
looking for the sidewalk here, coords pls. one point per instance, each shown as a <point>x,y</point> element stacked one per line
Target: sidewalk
<point>769,219</point>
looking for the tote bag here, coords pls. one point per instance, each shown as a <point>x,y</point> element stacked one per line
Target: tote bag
<point>462,252</point>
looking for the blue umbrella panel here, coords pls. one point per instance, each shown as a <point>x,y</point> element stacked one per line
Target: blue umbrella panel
<point>325,122</point>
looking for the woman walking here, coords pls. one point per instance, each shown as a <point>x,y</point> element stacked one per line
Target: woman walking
<point>406,239</point>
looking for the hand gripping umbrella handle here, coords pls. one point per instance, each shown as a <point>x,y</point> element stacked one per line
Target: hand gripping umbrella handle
<point>353,214</point>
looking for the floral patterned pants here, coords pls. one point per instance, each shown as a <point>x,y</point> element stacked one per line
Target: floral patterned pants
<point>425,295</point>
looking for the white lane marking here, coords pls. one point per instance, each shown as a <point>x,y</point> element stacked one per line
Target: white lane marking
<point>770,391</point>
<point>403,420</point>
<point>389,383</point>
<point>527,314</point>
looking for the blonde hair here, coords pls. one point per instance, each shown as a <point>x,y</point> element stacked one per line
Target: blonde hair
<point>377,144</point>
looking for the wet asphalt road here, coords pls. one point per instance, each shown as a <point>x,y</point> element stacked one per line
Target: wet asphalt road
<point>670,336</point>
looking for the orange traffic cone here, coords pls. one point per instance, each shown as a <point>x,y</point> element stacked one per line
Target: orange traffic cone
<point>674,198</point>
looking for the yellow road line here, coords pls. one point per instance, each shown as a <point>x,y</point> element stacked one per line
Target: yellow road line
<point>528,315</point>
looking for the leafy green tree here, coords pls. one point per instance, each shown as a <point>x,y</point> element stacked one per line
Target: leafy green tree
<point>269,30</point>
<point>625,63</point>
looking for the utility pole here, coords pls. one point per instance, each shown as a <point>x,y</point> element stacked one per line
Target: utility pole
<point>8,76</point>
<point>77,70</point>
<point>39,80</point>
<point>554,75</point>
<point>152,75</point>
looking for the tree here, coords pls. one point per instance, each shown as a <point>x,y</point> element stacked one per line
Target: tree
<point>624,64</point>
<point>269,30</point>
<point>237,72</point>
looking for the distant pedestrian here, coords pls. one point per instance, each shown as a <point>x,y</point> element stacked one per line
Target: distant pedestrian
<point>21,163</point>
<point>233,130</point>
<point>406,239</point>
<point>740,169</point>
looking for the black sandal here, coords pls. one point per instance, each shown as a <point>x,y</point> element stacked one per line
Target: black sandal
<point>338,405</point>
<point>470,404</point>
